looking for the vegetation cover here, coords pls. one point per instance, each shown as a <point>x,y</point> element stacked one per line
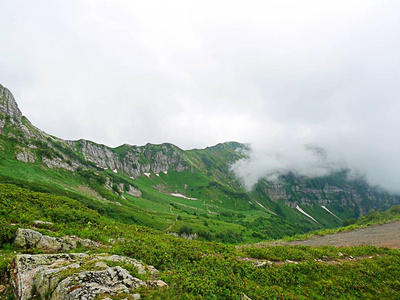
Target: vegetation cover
<point>140,201</point>
<point>203,270</point>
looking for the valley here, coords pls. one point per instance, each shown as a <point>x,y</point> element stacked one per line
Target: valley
<point>139,184</point>
<point>180,224</point>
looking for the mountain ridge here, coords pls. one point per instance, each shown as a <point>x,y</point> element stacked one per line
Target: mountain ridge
<point>90,149</point>
<point>141,180</point>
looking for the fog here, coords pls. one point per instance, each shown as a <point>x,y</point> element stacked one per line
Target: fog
<point>276,74</point>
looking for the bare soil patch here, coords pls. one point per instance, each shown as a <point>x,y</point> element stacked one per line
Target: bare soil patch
<point>88,191</point>
<point>386,235</point>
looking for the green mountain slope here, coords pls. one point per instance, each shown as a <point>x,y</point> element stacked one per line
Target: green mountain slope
<point>190,192</point>
<point>202,270</point>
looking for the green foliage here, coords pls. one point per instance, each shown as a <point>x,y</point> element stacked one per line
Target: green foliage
<point>349,222</point>
<point>7,232</point>
<point>186,230</point>
<point>92,176</point>
<point>223,211</point>
<point>204,270</point>
<point>229,237</point>
<point>22,206</point>
<point>374,216</point>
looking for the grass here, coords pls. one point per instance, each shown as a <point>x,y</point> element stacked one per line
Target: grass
<point>224,212</point>
<point>223,205</point>
<point>209,270</point>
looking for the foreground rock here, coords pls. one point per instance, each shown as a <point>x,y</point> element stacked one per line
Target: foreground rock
<point>31,239</point>
<point>79,276</point>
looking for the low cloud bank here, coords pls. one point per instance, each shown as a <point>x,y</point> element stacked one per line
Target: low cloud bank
<point>376,162</point>
<point>271,162</point>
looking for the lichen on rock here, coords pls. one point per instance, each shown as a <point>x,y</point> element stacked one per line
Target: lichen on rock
<point>28,238</point>
<point>78,276</point>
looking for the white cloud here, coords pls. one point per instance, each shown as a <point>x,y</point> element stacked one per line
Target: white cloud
<point>195,73</point>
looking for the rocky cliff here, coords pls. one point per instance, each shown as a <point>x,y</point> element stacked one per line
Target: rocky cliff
<point>31,145</point>
<point>132,160</point>
<point>8,106</point>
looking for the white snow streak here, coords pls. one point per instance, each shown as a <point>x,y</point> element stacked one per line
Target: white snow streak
<point>182,196</point>
<point>304,213</point>
<point>324,207</point>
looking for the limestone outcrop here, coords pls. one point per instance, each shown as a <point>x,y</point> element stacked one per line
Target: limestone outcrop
<point>8,106</point>
<point>28,238</point>
<point>79,276</point>
<point>24,154</point>
<point>135,160</point>
<point>11,117</point>
<point>55,153</point>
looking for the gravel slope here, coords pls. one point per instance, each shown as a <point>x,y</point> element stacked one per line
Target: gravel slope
<point>387,235</point>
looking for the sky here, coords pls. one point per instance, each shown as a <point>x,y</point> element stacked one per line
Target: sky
<point>285,76</point>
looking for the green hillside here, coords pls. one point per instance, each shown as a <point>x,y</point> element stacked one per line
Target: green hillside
<point>186,213</point>
<point>167,188</point>
<point>203,270</point>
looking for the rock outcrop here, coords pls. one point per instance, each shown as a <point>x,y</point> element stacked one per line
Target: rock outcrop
<point>11,119</point>
<point>78,276</point>
<point>133,160</point>
<point>28,238</point>
<point>8,106</point>
<point>24,154</point>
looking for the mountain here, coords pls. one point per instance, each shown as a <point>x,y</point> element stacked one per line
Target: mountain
<point>79,220</point>
<point>187,192</point>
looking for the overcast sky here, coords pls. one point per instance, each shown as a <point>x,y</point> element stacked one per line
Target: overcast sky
<point>277,74</point>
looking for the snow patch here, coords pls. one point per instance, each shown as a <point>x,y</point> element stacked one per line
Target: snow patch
<point>182,196</point>
<point>147,174</point>
<point>115,171</point>
<point>158,174</point>
<point>165,172</point>
<point>324,207</point>
<point>259,204</point>
<point>306,214</point>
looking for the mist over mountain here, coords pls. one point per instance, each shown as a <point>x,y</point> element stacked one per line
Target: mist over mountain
<point>307,160</point>
<point>351,114</point>
<point>277,75</point>
<point>163,149</point>
<point>366,143</point>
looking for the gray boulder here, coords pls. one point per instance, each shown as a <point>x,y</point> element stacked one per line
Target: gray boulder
<point>78,276</point>
<point>28,238</point>
<point>89,284</point>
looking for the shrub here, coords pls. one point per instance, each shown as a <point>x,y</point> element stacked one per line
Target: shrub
<point>7,234</point>
<point>186,230</point>
<point>348,222</point>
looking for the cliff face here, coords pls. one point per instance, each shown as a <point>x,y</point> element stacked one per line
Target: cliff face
<point>12,122</point>
<point>133,160</point>
<point>8,106</point>
<point>334,189</point>
<point>10,115</point>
